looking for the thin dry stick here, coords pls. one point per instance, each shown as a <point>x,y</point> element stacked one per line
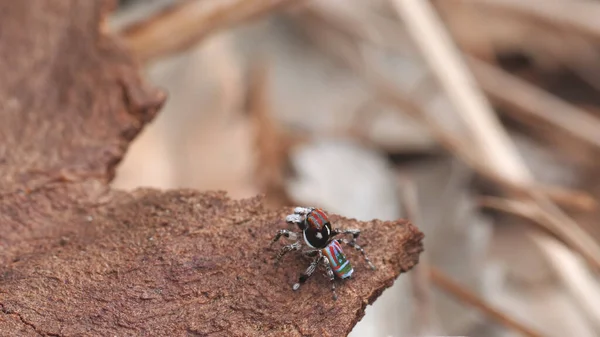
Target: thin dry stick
<point>183,25</point>
<point>524,209</point>
<point>574,274</point>
<point>459,147</point>
<point>577,279</point>
<point>571,50</point>
<point>580,241</point>
<point>581,16</point>
<point>376,30</point>
<point>272,144</point>
<point>569,198</point>
<point>565,197</point>
<point>495,145</point>
<point>444,59</point>
<point>527,99</point>
<point>230,77</point>
<point>586,67</point>
<point>464,295</point>
<point>505,88</point>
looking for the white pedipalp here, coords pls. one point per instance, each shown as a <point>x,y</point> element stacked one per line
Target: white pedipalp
<point>294,218</point>
<point>303,210</point>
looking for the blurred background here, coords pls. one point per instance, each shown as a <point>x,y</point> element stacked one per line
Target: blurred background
<point>477,119</point>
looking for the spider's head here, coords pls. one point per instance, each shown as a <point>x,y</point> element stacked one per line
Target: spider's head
<point>316,228</point>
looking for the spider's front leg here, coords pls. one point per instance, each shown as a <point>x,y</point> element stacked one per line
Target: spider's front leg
<point>286,233</point>
<point>355,233</point>
<point>308,272</point>
<point>360,249</point>
<point>286,249</point>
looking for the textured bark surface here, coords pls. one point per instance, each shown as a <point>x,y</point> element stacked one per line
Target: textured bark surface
<point>152,263</point>
<point>77,259</point>
<point>70,102</point>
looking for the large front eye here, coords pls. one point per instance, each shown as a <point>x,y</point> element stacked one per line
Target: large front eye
<point>317,238</point>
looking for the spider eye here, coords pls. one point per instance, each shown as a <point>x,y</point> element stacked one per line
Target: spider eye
<point>317,238</point>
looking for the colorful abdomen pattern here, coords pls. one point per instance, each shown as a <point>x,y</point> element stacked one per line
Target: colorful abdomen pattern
<point>339,263</point>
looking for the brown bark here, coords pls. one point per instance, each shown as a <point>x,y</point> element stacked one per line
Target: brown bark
<point>79,259</point>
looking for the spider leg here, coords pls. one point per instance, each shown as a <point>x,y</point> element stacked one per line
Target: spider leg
<point>355,233</point>
<point>330,275</point>
<point>287,233</point>
<point>308,272</point>
<point>286,249</point>
<point>360,249</point>
<point>311,252</point>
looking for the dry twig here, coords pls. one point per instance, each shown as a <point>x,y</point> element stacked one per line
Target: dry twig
<point>272,145</point>
<point>325,34</point>
<point>446,63</point>
<point>573,272</point>
<point>520,208</point>
<point>494,144</point>
<point>183,25</point>
<point>526,99</point>
<point>464,295</point>
<point>581,16</point>
<point>577,279</point>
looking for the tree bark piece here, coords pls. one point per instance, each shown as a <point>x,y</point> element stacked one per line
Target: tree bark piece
<point>70,99</point>
<point>77,258</point>
<point>158,263</point>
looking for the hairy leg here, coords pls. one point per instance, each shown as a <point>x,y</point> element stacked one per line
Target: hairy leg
<point>354,232</point>
<point>330,275</point>
<point>308,272</point>
<point>360,249</point>
<point>286,233</point>
<point>286,249</point>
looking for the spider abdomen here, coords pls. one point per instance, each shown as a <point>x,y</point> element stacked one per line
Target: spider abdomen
<point>338,261</point>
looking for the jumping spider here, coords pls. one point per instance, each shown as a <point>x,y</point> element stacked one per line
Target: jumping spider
<point>324,248</point>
